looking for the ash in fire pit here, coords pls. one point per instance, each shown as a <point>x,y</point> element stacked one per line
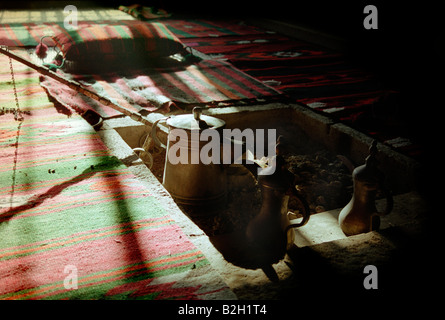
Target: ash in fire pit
<point>323,179</point>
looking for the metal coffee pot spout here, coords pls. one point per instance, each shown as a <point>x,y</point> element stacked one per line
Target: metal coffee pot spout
<point>360,215</point>
<point>272,230</point>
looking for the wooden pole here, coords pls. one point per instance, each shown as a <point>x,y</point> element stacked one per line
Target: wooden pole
<point>77,87</point>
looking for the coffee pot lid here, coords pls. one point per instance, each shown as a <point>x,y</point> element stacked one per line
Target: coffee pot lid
<point>195,121</point>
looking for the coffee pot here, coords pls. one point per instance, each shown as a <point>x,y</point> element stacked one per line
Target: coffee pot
<point>360,215</point>
<point>192,182</point>
<point>271,230</point>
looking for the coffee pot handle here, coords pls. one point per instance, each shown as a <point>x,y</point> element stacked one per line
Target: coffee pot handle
<point>389,203</point>
<point>306,213</point>
<point>154,135</point>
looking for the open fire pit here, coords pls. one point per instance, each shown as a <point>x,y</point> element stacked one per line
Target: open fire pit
<point>322,178</point>
<point>321,155</point>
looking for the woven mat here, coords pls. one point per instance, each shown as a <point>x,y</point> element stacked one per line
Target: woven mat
<point>75,223</point>
<point>151,89</point>
<point>320,78</point>
<point>29,33</point>
<point>317,77</point>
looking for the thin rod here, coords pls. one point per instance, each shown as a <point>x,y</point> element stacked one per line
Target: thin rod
<point>77,87</point>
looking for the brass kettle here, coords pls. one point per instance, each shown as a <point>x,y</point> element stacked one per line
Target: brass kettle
<point>192,183</point>
<point>360,215</point>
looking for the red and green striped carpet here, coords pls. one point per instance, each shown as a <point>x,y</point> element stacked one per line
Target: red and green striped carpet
<point>207,81</point>
<point>74,222</point>
<point>322,79</point>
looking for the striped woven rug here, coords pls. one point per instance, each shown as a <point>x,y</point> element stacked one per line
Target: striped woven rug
<point>150,89</point>
<point>322,79</point>
<point>29,33</point>
<point>74,222</point>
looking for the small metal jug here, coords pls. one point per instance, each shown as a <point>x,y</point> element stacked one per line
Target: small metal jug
<point>360,215</point>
